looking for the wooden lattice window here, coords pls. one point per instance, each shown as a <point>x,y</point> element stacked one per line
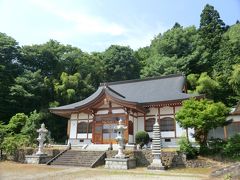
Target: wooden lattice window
<point>90,127</point>
<point>130,127</point>
<point>82,127</point>
<point>167,124</point>
<point>149,124</point>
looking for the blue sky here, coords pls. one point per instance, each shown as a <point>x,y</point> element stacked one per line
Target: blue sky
<point>93,25</point>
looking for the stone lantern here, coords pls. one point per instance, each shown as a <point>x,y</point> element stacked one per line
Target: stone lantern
<point>120,138</point>
<point>39,157</point>
<point>120,161</point>
<point>41,138</point>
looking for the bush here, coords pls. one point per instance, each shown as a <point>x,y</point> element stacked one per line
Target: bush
<point>216,146</point>
<point>187,148</point>
<point>232,147</point>
<point>12,143</point>
<point>142,138</point>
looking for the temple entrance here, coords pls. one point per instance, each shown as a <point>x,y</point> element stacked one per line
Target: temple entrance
<point>104,132</point>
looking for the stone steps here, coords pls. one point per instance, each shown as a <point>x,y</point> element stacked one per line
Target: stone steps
<point>80,158</point>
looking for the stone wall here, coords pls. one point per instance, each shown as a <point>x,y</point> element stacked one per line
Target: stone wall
<point>19,156</point>
<point>144,157</point>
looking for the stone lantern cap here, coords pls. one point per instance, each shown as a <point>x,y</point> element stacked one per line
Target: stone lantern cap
<point>42,129</point>
<point>120,125</point>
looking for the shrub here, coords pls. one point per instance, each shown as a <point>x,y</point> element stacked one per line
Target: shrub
<point>142,138</point>
<point>187,148</point>
<point>216,146</point>
<point>232,147</point>
<point>12,143</point>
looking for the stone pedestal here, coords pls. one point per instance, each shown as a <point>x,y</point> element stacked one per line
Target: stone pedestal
<point>156,165</point>
<point>119,163</point>
<point>37,159</point>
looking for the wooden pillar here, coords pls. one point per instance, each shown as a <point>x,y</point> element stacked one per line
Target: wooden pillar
<point>174,112</point>
<point>137,122</point>
<point>77,124</point>
<point>158,115</point>
<point>144,122</point>
<point>87,126</point>
<point>225,132</point>
<point>68,128</point>
<point>93,129</point>
<point>127,124</point>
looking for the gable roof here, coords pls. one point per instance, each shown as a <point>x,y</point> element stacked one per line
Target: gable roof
<point>140,92</point>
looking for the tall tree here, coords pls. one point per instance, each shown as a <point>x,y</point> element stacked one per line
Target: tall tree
<point>211,30</point>
<point>120,63</point>
<point>9,69</point>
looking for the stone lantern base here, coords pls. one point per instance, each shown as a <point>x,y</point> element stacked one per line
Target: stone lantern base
<point>156,165</point>
<point>37,159</point>
<point>119,163</point>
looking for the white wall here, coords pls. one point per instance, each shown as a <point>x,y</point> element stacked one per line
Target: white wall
<point>166,110</point>
<point>140,124</point>
<point>73,128</point>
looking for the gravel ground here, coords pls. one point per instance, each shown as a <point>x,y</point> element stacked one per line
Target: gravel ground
<point>16,171</point>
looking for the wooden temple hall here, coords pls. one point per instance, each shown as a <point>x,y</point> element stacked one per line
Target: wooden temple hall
<point>136,102</point>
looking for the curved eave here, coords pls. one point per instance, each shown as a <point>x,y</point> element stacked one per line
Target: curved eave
<point>105,93</point>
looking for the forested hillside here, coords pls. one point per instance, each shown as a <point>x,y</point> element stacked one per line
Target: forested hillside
<point>36,77</point>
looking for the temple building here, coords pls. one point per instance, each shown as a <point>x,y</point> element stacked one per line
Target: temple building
<point>231,128</point>
<point>136,102</point>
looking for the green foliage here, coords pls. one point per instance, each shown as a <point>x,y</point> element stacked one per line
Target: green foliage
<point>52,74</point>
<point>3,133</point>
<point>215,146</point>
<point>9,69</point>
<point>31,125</point>
<point>16,123</point>
<point>229,148</point>
<point>202,115</point>
<point>204,85</point>
<point>235,79</point>
<point>142,138</point>
<point>232,147</point>
<point>19,132</point>
<point>187,148</point>
<point>12,143</point>
<point>120,63</point>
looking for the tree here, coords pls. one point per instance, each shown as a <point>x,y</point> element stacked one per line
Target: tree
<point>202,115</point>
<point>31,125</point>
<point>29,92</point>
<point>16,123</point>
<point>9,69</point>
<point>211,30</point>
<point>120,63</point>
<point>234,80</point>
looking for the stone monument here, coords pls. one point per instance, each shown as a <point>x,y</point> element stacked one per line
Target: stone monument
<point>156,148</point>
<point>40,157</point>
<point>120,161</point>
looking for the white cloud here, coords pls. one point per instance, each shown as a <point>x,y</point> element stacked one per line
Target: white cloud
<point>82,22</point>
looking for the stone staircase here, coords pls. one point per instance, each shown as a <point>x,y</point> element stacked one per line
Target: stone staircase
<point>79,158</point>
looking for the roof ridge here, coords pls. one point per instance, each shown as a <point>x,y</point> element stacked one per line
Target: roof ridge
<point>140,80</point>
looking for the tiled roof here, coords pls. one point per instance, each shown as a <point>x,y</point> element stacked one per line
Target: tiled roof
<point>142,91</point>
